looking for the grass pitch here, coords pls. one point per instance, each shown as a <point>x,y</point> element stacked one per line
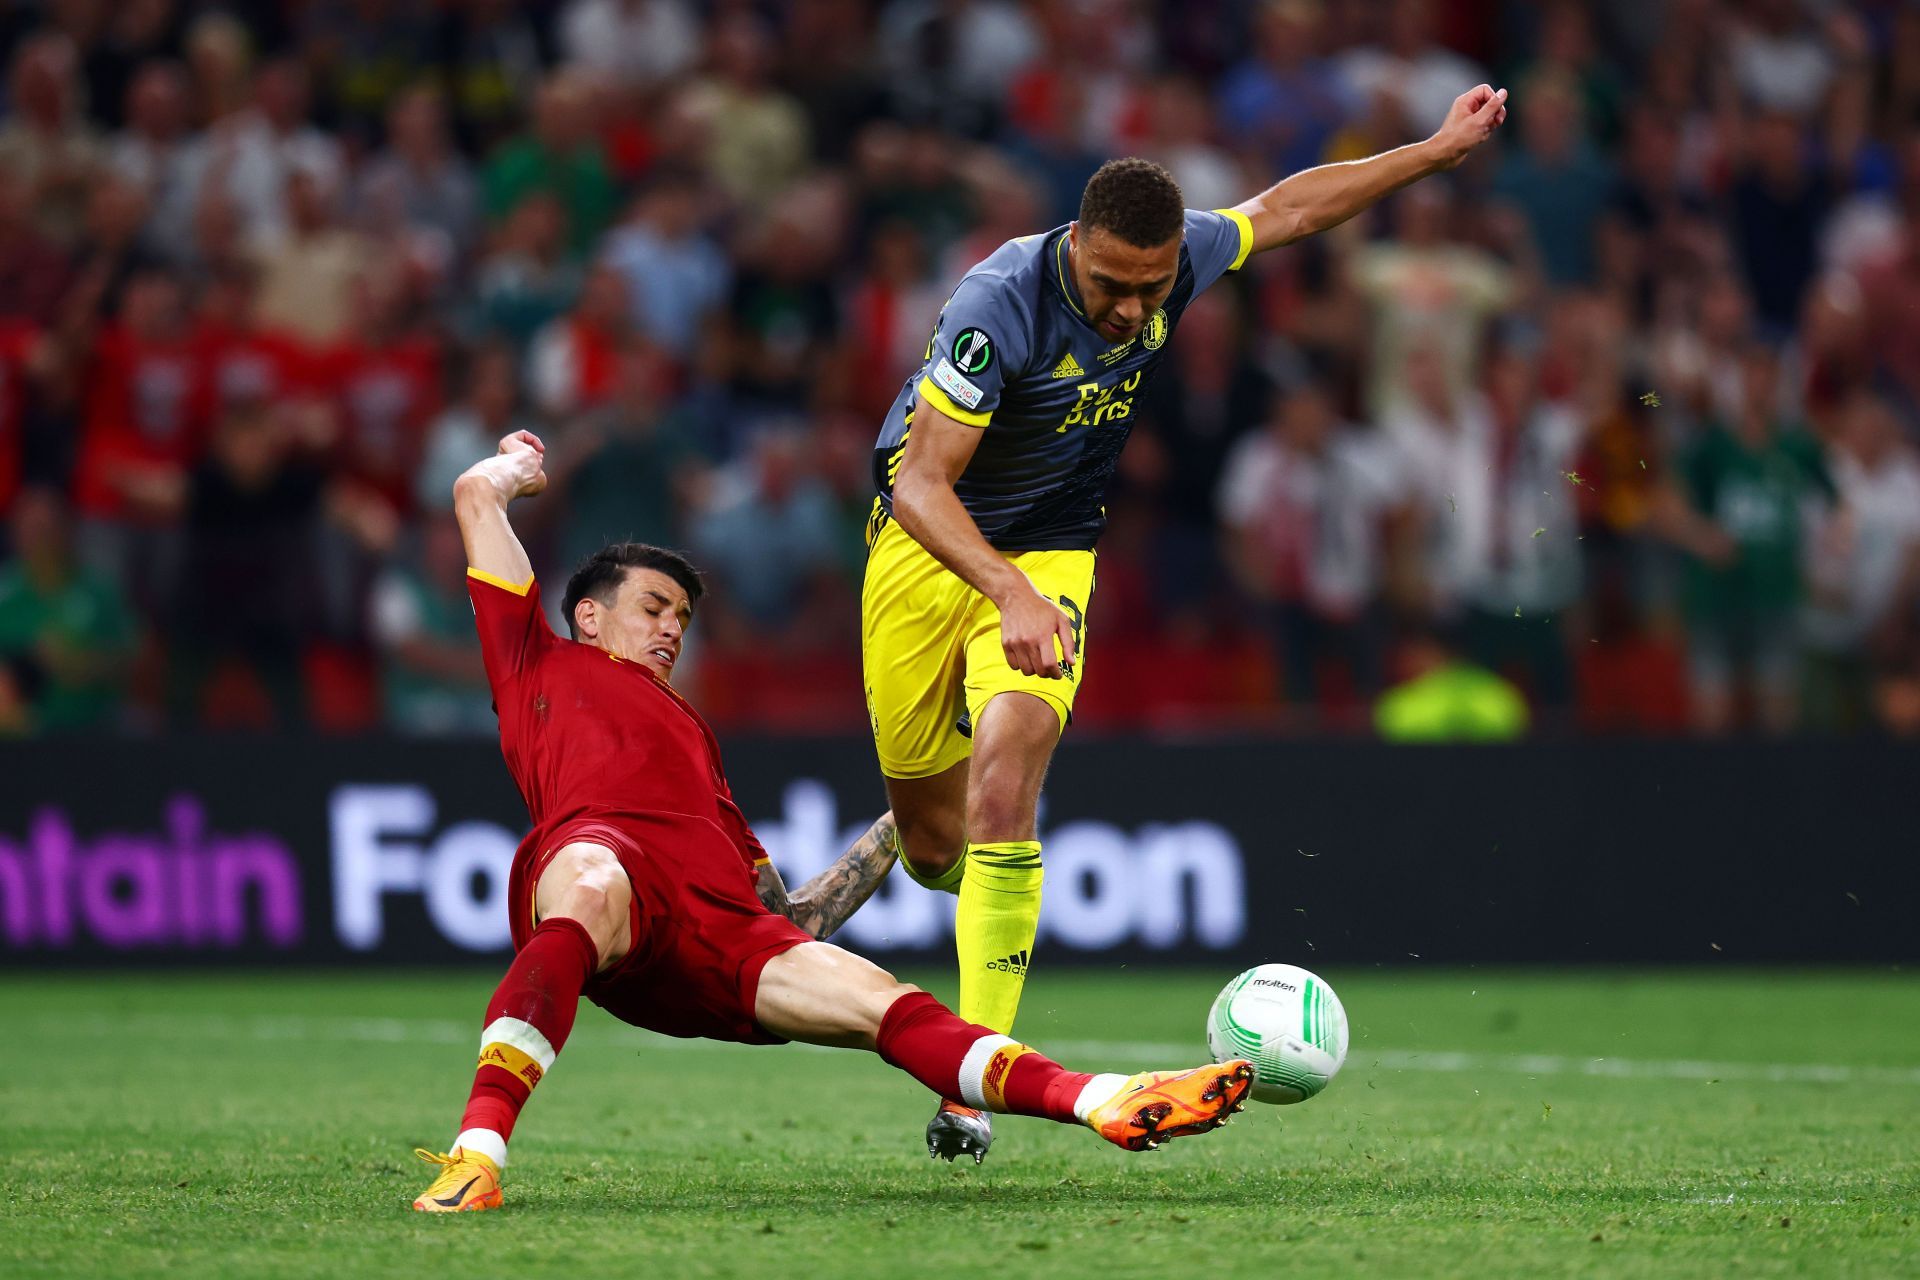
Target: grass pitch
<point>1487,1123</point>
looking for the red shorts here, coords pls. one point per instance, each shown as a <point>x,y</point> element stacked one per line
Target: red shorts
<point>700,934</point>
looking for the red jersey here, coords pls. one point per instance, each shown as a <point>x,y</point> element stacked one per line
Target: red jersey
<point>388,394</point>
<point>143,410</point>
<point>587,735</point>
<point>16,344</point>
<point>240,367</point>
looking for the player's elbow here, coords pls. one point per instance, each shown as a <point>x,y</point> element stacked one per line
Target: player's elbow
<point>911,490</point>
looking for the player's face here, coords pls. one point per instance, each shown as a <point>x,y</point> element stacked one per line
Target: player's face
<point>1121,284</point>
<point>646,623</point>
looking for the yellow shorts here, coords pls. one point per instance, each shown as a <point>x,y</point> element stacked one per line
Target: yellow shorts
<point>931,647</point>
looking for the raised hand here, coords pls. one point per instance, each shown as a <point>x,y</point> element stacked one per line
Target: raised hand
<point>518,467</point>
<point>1472,119</point>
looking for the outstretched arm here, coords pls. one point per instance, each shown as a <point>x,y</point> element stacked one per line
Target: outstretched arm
<point>1313,200</point>
<point>480,498</point>
<point>822,904</point>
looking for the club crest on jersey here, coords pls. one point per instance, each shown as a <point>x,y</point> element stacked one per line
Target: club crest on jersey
<point>973,352</point>
<point>1156,331</point>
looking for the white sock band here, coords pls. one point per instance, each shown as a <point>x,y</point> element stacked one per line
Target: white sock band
<point>483,1142</point>
<point>973,1068</point>
<point>523,1036</point>
<point>1096,1091</point>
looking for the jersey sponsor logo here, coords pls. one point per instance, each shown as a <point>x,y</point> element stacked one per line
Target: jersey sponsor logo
<point>948,379</point>
<point>1156,330</point>
<point>973,352</point>
<point>1068,367</point>
<point>1097,405</point>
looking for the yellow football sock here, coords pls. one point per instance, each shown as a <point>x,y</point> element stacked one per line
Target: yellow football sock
<point>993,932</point>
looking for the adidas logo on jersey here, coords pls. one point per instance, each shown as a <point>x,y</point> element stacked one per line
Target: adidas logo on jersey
<point>1015,963</point>
<point>1068,368</point>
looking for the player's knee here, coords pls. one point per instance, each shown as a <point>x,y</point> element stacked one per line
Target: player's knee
<point>594,892</point>
<point>1001,810</point>
<point>933,843</point>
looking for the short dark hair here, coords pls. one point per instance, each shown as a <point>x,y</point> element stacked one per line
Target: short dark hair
<point>601,574</point>
<point>1136,200</point>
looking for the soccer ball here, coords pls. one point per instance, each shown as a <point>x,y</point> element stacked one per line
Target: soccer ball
<point>1288,1023</point>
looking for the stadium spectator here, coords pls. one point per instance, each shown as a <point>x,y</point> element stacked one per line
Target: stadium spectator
<point>559,156</point>
<point>767,527</point>
<point>1738,512</point>
<point>1425,288</point>
<point>252,153</point>
<point>241,361</point>
<point>1444,698</point>
<point>308,271</point>
<point>1284,101</point>
<point>432,682</point>
<point>526,280</point>
<point>676,277</point>
<point>364,53</point>
<point>1423,75</point>
<point>384,378</point>
<point>152,152</point>
<point>33,267</point>
<point>1778,203</point>
<point>1179,134</point>
<point>1865,570</point>
<point>625,469</point>
<point>757,134</point>
<point>47,141</point>
<point>419,184</point>
<point>142,427</point>
<point>1555,178</point>
<point>491,56</point>
<point>488,410</point>
<point>950,66</point>
<point>572,363</point>
<point>1310,508</point>
<point>890,310</point>
<point>27,359</point>
<point>66,633</point>
<point>247,604</point>
<point>640,43</point>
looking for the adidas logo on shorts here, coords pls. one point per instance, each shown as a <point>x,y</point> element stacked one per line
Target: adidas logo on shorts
<point>1015,963</point>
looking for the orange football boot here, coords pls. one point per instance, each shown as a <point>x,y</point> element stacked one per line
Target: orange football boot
<point>468,1180</point>
<point>1159,1106</point>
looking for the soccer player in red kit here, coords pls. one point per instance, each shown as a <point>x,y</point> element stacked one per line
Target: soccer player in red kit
<point>642,887</point>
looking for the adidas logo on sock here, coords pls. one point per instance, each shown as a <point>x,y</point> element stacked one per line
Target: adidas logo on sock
<point>1015,963</point>
<point>1068,368</point>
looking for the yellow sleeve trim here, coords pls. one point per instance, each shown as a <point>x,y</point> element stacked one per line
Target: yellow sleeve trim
<point>944,403</point>
<point>761,862</point>
<point>1245,224</point>
<point>518,588</point>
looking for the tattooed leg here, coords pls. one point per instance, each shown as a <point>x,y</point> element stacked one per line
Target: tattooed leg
<point>822,904</point>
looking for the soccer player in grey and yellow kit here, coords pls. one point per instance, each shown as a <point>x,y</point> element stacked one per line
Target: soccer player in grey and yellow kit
<point>991,468</point>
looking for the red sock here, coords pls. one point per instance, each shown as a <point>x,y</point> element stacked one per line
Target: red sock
<point>975,1065</point>
<point>528,1021</point>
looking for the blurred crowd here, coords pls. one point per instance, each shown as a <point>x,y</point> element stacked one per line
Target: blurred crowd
<point>1611,429</point>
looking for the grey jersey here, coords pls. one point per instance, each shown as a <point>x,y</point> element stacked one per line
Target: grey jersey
<point>1014,354</point>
